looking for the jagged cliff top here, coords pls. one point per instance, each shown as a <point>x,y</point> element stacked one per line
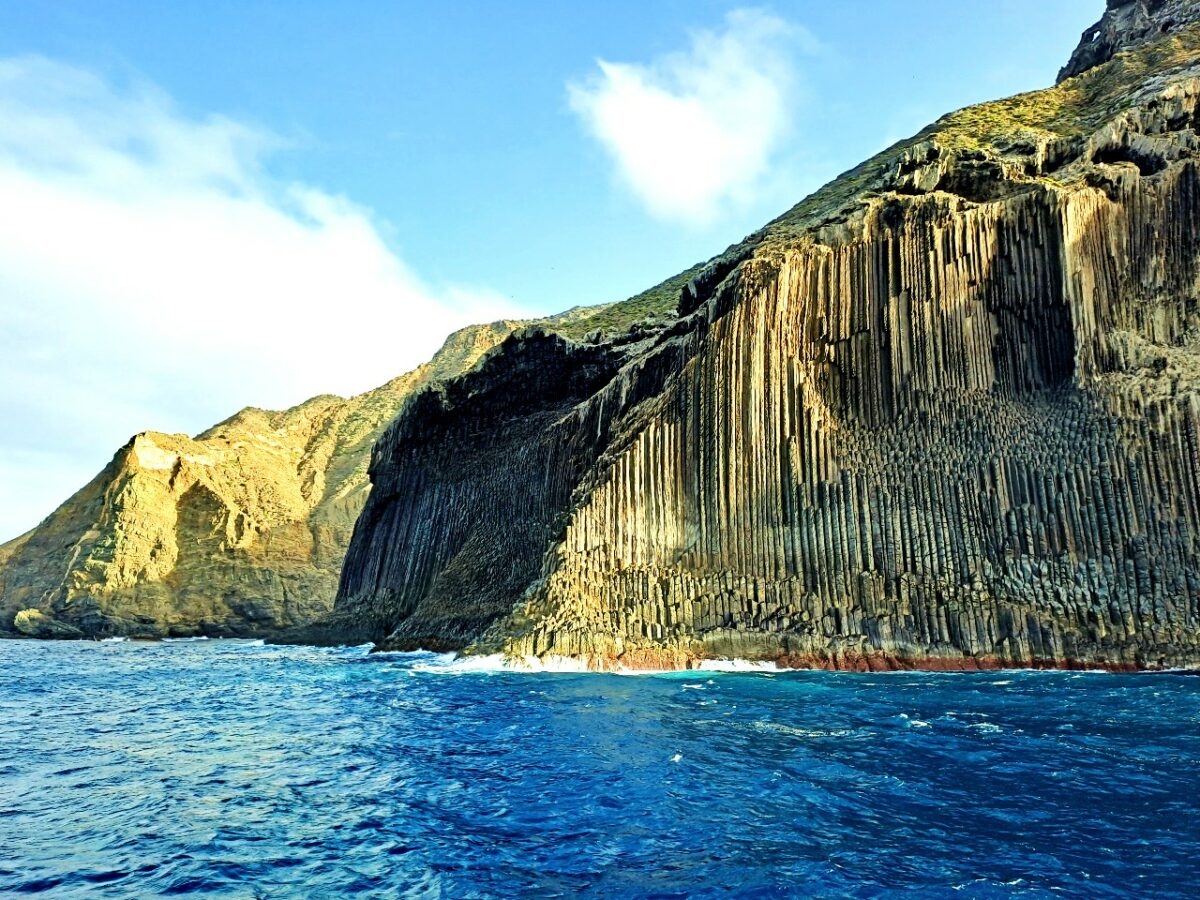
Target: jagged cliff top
<point>1031,134</point>
<point>1126,25</point>
<point>1027,139</point>
<point>1023,140</point>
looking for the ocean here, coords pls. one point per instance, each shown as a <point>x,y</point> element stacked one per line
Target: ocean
<point>233,769</point>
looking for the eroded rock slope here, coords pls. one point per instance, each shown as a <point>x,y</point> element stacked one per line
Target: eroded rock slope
<point>241,530</point>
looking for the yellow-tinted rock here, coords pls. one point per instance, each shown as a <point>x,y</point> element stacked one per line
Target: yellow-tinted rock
<point>239,530</point>
<point>35,623</point>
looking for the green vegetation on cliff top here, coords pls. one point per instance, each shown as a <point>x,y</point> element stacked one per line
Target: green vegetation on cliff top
<point>1072,109</point>
<point>1066,111</point>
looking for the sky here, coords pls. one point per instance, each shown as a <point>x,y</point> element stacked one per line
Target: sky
<point>228,203</point>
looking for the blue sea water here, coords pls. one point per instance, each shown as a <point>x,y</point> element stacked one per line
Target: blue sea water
<point>232,769</point>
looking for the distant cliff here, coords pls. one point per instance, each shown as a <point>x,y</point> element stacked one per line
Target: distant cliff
<point>241,530</point>
<point>944,413</point>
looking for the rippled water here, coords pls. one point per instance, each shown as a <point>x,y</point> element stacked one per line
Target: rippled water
<point>231,769</point>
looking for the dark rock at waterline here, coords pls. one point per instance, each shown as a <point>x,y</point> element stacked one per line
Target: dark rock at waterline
<point>34,623</point>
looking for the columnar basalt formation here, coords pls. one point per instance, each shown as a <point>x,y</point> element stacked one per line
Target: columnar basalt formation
<point>466,541</point>
<point>944,413</point>
<point>241,530</point>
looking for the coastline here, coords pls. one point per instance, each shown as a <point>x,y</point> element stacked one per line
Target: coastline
<point>648,663</point>
<point>651,661</point>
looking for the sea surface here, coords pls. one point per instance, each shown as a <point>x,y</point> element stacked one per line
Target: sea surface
<point>232,769</point>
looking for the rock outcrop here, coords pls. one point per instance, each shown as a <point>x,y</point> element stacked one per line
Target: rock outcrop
<point>945,413</point>
<point>239,531</point>
<point>1126,25</point>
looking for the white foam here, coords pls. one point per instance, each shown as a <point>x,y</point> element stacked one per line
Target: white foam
<point>457,664</point>
<point>801,732</point>
<point>184,640</point>
<point>427,655</point>
<point>738,665</point>
<point>113,640</point>
<point>454,664</point>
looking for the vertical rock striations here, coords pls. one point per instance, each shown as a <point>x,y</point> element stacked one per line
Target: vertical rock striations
<point>944,413</point>
<point>462,541</point>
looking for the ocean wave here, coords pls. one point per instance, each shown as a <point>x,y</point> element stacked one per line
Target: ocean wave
<point>366,652</point>
<point>801,732</point>
<point>738,665</point>
<point>458,664</point>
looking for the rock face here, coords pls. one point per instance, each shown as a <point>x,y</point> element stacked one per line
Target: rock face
<point>35,623</point>
<point>1128,24</point>
<point>944,413</point>
<point>241,530</point>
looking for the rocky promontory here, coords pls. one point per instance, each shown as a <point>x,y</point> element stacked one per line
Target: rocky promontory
<point>944,413</point>
<point>238,531</point>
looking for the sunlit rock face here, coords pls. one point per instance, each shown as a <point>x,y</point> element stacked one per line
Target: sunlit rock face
<point>241,530</point>
<point>944,413</point>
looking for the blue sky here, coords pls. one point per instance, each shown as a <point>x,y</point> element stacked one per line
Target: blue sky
<point>217,204</point>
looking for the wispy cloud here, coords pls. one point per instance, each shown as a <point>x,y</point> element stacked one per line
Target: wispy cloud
<point>154,275</point>
<point>695,131</point>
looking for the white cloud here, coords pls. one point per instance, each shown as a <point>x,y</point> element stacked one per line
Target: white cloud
<point>691,133</point>
<point>154,275</point>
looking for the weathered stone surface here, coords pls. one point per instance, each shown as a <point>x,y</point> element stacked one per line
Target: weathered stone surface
<point>1127,25</point>
<point>35,623</point>
<point>467,541</point>
<point>241,530</point>
<point>945,413</point>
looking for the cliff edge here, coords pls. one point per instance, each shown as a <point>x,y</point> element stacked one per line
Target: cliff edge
<point>1127,25</point>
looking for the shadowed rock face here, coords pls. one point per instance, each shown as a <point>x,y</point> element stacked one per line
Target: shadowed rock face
<point>944,413</point>
<point>443,475</point>
<point>241,530</point>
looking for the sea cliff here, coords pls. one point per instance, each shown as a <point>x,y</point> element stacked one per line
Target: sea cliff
<point>944,413</point>
<point>238,531</point>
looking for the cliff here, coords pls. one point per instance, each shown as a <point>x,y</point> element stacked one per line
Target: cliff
<point>241,530</point>
<point>944,414</point>
<point>1127,25</point>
